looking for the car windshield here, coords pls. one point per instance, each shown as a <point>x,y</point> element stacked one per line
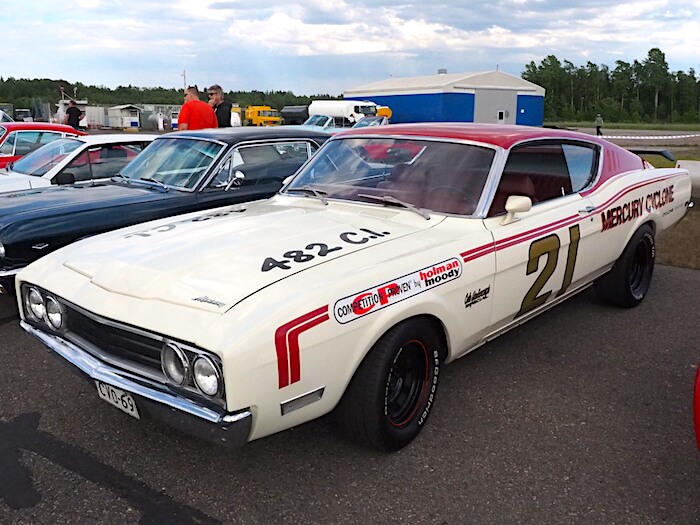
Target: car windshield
<point>369,121</point>
<point>179,163</point>
<point>366,110</point>
<point>316,120</point>
<point>41,160</point>
<point>443,177</point>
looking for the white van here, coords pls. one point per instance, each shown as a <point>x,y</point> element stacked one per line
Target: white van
<point>345,113</point>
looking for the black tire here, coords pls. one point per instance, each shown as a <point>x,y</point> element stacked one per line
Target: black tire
<point>628,282</point>
<point>390,397</point>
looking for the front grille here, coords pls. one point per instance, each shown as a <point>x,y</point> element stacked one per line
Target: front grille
<point>130,348</point>
<point>117,342</point>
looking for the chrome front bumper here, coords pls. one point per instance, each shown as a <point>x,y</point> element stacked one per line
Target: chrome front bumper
<point>154,399</point>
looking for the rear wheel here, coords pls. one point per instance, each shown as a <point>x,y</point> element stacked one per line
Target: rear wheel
<point>390,397</point>
<point>628,282</point>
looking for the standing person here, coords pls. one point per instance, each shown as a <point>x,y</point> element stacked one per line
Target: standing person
<point>73,115</point>
<point>195,114</point>
<point>221,107</point>
<point>598,124</point>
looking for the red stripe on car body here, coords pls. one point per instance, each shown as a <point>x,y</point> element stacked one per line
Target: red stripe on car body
<point>287,344</point>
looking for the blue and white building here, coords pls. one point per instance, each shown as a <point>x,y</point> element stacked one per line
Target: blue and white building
<point>490,97</point>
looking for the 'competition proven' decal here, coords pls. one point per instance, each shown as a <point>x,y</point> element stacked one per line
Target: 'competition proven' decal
<point>383,295</point>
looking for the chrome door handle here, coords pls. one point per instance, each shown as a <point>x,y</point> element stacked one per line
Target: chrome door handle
<point>587,210</point>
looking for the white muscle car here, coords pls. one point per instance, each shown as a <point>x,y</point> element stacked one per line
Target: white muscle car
<point>394,250</point>
<point>69,160</point>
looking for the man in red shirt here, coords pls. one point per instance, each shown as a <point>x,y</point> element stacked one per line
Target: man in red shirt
<point>194,113</point>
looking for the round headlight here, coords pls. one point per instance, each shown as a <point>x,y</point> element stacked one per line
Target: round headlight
<point>175,365</point>
<point>206,376</point>
<point>35,304</point>
<point>54,313</point>
<point>2,251</point>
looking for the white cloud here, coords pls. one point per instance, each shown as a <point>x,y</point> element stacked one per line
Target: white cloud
<point>323,45</point>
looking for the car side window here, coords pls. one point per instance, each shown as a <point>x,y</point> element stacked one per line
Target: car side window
<point>223,174</point>
<point>80,167</point>
<point>8,147</point>
<point>48,136</point>
<point>257,164</point>
<point>582,162</point>
<point>28,141</point>
<point>554,169</point>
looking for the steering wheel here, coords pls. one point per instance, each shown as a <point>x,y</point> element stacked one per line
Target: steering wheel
<point>449,191</point>
<point>452,193</point>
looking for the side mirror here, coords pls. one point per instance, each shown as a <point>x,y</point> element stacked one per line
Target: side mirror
<point>65,177</point>
<point>287,180</point>
<point>9,166</point>
<point>516,204</point>
<point>236,180</point>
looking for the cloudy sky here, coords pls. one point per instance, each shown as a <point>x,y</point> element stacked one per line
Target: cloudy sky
<point>323,46</point>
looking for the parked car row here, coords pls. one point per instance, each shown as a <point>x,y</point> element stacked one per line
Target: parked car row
<point>246,309</point>
<point>177,173</point>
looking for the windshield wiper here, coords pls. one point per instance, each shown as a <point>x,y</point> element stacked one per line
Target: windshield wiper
<point>158,182</point>
<point>119,175</point>
<point>319,194</point>
<point>388,199</point>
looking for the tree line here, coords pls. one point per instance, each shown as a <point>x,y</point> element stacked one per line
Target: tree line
<point>643,91</point>
<point>33,93</point>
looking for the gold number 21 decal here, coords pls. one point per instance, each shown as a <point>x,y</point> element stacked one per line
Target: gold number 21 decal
<point>549,246</point>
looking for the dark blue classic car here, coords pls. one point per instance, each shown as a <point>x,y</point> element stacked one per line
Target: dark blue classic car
<point>178,173</point>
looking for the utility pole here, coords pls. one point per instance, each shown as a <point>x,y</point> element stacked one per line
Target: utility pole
<point>184,78</point>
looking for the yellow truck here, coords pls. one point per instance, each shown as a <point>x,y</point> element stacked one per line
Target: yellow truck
<point>261,116</point>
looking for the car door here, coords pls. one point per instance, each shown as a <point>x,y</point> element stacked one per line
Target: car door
<point>551,249</point>
<point>100,161</point>
<point>255,171</point>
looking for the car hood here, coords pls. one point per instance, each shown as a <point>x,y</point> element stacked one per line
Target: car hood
<point>212,260</point>
<point>55,200</point>
<point>11,181</point>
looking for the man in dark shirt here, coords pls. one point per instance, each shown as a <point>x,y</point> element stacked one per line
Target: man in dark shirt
<point>221,106</point>
<point>73,115</point>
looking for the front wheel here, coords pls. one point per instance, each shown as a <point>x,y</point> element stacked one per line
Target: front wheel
<point>392,393</point>
<point>628,282</point>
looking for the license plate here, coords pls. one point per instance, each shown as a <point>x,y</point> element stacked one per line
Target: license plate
<point>120,399</point>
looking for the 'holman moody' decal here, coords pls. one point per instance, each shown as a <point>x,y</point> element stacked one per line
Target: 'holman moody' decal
<point>319,249</point>
<point>635,208</point>
<point>391,292</point>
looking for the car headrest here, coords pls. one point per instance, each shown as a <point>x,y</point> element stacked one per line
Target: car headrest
<point>516,184</point>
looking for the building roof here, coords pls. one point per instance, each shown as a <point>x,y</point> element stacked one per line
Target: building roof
<point>126,106</point>
<point>446,83</point>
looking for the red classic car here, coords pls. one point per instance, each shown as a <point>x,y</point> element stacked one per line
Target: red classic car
<point>19,138</point>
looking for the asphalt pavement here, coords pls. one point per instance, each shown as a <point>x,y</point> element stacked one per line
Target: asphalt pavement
<point>581,416</point>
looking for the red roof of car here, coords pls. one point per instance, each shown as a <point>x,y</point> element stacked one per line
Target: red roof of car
<point>616,159</point>
<point>501,135</point>
<point>48,126</point>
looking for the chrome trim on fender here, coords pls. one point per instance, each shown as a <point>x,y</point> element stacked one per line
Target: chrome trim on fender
<point>301,401</point>
<point>9,273</point>
<point>154,399</point>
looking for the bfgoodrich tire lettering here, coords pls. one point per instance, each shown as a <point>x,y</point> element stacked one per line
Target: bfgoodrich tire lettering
<point>628,282</point>
<point>392,393</point>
